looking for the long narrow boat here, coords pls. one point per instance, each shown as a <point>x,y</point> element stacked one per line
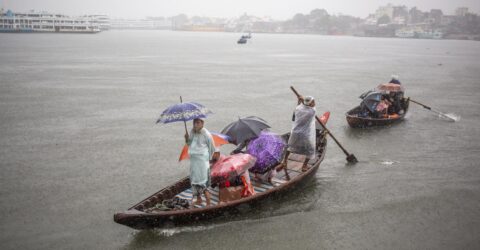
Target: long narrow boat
<point>140,216</point>
<point>356,121</point>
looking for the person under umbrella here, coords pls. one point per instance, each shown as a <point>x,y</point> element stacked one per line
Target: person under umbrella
<point>268,148</point>
<point>370,102</point>
<point>200,143</point>
<point>244,130</point>
<point>395,80</point>
<point>302,137</point>
<point>383,107</point>
<point>201,150</point>
<point>393,93</point>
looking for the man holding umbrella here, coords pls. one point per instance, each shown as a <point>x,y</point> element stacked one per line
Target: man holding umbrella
<point>302,137</point>
<point>200,143</point>
<point>201,150</point>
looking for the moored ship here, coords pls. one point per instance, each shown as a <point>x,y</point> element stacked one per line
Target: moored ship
<point>46,22</point>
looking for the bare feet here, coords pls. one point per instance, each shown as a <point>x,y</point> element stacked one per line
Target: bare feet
<point>281,166</point>
<point>207,198</point>
<point>198,202</point>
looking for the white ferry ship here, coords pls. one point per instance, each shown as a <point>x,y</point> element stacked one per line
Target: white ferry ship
<point>417,32</point>
<point>103,21</point>
<point>46,22</point>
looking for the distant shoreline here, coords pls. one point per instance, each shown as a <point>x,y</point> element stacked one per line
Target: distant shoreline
<point>450,37</point>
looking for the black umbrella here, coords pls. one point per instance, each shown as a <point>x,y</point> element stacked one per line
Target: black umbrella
<point>245,128</point>
<point>371,100</point>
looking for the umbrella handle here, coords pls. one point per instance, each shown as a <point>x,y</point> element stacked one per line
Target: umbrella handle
<point>184,122</point>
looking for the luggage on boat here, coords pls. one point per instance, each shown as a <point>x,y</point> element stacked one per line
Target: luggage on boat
<point>175,203</point>
<point>242,187</point>
<point>227,194</point>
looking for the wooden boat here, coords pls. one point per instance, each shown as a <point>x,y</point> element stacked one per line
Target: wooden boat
<point>242,40</point>
<point>356,121</point>
<point>140,216</point>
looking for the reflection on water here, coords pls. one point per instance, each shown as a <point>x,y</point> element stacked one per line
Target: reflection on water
<point>451,117</point>
<point>302,199</point>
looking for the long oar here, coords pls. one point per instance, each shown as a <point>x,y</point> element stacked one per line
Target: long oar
<point>433,110</point>
<point>350,157</point>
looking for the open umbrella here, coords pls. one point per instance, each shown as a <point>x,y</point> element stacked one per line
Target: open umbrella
<point>371,100</point>
<point>245,128</point>
<point>183,111</point>
<point>268,149</point>
<point>392,87</point>
<point>365,94</point>
<point>218,140</point>
<point>232,165</point>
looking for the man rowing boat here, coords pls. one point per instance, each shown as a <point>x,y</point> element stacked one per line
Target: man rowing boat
<point>302,137</point>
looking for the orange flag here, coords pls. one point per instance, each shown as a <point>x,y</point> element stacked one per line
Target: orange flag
<point>218,140</point>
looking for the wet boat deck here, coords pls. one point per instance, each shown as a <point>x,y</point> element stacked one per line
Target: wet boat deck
<point>295,163</point>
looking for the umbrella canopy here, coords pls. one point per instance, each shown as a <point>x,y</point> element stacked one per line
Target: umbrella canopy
<point>218,140</point>
<point>392,87</point>
<point>268,149</point>
<point>371,100</point>
<point>183,112</point>
<point>245,129</point>
<point>232,165</point>
<point>365,94</point>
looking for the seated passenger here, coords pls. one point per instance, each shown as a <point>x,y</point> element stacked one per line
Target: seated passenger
<point>241,146</point>
<point>395,98</point>
<point>382,107</point>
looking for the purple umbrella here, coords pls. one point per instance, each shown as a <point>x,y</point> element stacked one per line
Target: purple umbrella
<point>183,111</point>
<point>268,149</point>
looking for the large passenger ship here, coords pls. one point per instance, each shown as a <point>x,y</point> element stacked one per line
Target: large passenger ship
<point>47,22</point>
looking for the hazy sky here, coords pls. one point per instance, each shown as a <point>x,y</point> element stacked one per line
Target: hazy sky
<point>277,9</point>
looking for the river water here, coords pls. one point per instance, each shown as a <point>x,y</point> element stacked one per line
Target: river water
<point>78,139</point>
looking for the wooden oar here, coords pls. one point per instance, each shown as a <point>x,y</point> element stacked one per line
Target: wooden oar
<point>350,157</point>
<point>433,110</point>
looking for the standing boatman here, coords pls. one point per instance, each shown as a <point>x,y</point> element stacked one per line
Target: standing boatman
<point>303,135</point>
<point>395,80</point>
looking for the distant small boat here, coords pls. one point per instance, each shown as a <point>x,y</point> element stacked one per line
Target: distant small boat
<point>242,40</point>
<point>357,121</point>
<point>247,36</point>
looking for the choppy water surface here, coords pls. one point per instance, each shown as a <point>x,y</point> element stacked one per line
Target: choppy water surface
<point>78,139</point>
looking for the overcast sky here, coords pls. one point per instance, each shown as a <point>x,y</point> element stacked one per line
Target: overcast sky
<point>277,9</point>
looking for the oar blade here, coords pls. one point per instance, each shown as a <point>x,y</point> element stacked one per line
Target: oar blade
<point>450,117</point>
<point>352,159</point>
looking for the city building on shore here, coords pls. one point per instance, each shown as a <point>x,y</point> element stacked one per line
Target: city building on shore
<point>398,21</point>
<point>150,23</point>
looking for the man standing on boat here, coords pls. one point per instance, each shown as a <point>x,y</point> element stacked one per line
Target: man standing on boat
<point>303,135</point>
<point>201,150</point>
<point>395,80</point>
